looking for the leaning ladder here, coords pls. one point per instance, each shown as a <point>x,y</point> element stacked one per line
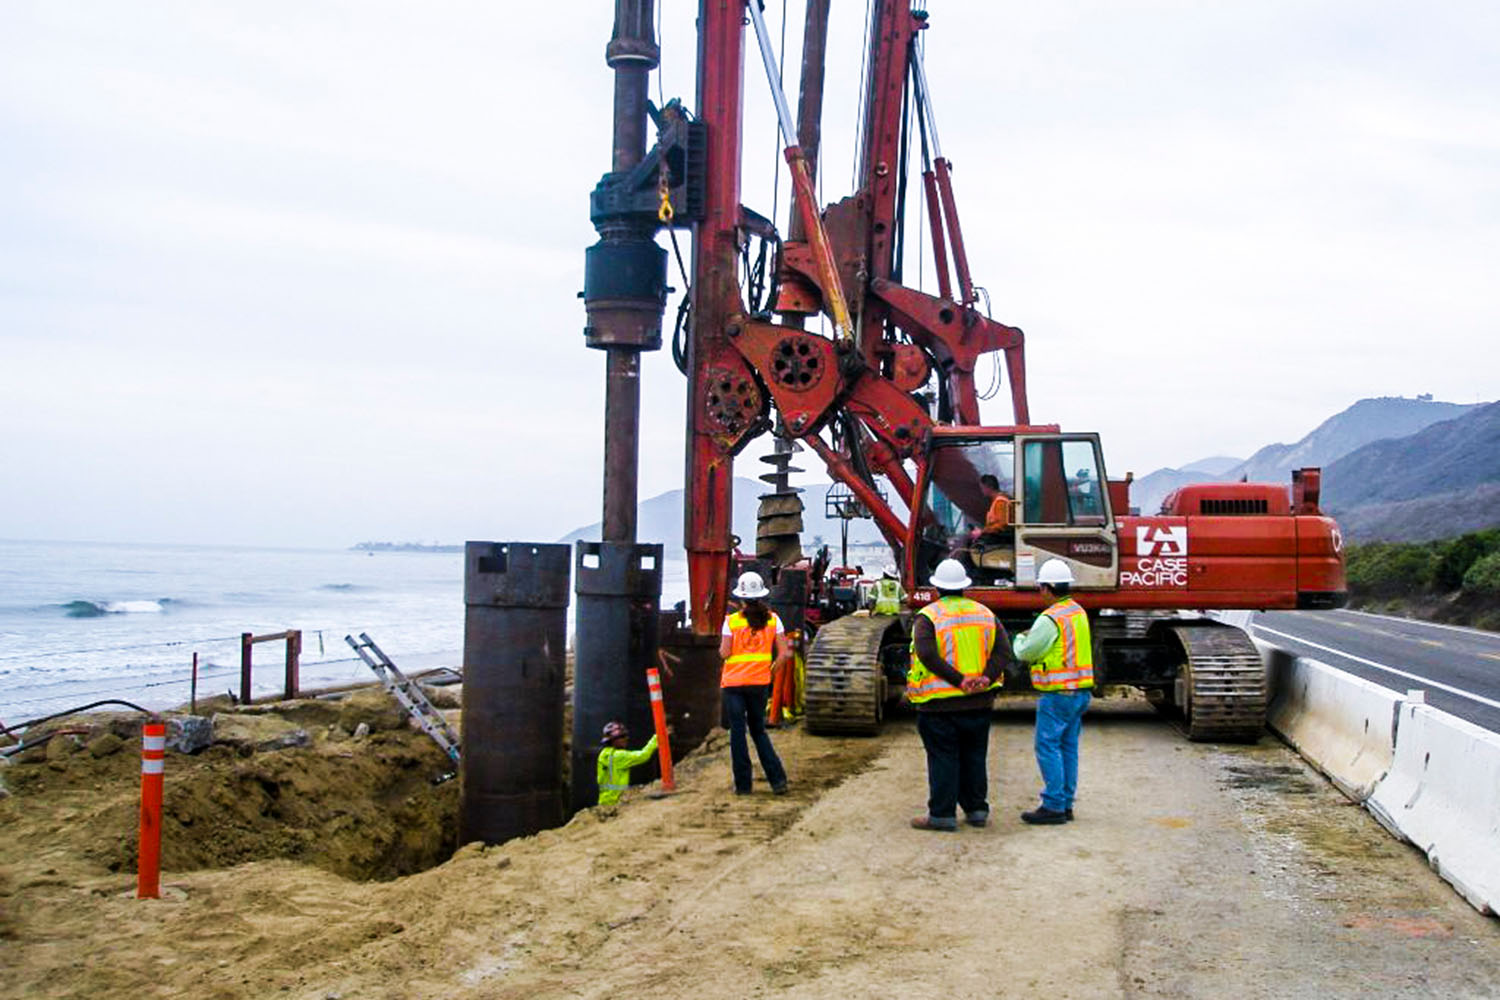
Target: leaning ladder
<point>407,693</point>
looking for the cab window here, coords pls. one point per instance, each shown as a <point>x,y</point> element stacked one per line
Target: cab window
<point>956,503</point>
<point>1063,483</point>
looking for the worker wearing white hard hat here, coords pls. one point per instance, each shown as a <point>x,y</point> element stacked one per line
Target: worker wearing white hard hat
<point>888,593</point>
<point>958,653</point>
<point>752,645</point>
<point>1060,649</point>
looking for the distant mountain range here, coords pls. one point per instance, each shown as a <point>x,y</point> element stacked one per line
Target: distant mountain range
<point>1443,480</point>
<point>1394,469</point>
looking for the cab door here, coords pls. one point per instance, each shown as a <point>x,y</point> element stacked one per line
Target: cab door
<point>1063,510</point>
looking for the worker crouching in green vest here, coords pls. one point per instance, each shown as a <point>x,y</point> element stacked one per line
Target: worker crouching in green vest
<point>958,652</point>
<point>1060,649</point>
<point>615,762</point>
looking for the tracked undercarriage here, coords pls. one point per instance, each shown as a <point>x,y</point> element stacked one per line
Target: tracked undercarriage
<point>1209,672</point>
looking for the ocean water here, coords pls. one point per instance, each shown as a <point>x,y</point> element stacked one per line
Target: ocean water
<point>81,622</point>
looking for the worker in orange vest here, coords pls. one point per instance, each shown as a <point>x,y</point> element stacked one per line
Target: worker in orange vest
<point>1060,649</point>
<point>753,645</point>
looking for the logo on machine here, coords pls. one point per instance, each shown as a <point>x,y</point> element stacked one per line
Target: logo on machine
<point>1160,557</point>
<point>1159,541</point>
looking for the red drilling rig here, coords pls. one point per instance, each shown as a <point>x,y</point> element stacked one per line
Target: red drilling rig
<point>888,401</point>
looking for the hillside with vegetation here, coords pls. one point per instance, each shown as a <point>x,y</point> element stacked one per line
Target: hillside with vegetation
<point>1453,580</point>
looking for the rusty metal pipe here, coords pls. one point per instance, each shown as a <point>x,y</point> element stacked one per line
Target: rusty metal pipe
<point>622,433</point>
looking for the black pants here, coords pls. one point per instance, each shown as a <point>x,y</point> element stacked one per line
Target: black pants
<point>957,744</point>
<point>746,707</point>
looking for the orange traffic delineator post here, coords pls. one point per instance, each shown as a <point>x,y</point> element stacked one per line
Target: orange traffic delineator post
<point>659,716</point>
<point>153,761</point>
<point>778,686</point>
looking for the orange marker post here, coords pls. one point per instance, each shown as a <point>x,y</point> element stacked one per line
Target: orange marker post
<point>659,716</point>
<point>778,683</point>
<point>153,760</point>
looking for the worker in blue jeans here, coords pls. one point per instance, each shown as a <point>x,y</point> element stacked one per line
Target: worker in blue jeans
<point>1060,650</point>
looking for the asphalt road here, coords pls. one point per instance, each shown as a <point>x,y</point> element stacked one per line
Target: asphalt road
<point>1459,668</point>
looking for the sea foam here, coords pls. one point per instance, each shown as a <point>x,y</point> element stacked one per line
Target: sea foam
<point>94,609</point>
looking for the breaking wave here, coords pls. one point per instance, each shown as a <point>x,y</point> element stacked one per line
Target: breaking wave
<point>97,609</point>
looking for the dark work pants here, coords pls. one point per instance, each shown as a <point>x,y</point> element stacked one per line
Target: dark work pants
<point>957,744</point>
<point>746,707</point>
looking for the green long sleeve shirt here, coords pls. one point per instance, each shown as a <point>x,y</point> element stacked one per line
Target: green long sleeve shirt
<point>613,770</point>
<point>1032,645</point>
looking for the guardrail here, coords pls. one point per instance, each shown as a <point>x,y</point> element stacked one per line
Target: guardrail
<point>1428,777</point>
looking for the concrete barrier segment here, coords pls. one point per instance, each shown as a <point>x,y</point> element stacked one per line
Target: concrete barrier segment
<point>1443,795</point>
<point>1343,725</point>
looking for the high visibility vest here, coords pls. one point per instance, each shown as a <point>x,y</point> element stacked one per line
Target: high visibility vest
<point>612,772</point>
<point>751,652</point>
<point>887,596</point>
<point>965,631</point>
<point>1068,664</point>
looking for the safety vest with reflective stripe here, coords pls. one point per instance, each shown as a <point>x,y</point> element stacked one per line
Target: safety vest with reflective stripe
<point>965,632</point>
<point>751,652</point>
<point>887,596</point>
<point>1068,664</point>
<point>613,770</point>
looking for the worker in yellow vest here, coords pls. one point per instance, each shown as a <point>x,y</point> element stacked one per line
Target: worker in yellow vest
<point>615,761</point>
<point>958,654</point>
<point>888,592</point>
<point>1061,653</point>
<point>753,644</point>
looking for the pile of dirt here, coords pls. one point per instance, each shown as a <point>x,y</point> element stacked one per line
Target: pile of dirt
<point>289,781</point>
<point>295,927</point>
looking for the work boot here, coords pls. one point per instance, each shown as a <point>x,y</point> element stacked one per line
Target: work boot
<point>977,818</point>
<point>1041,815</point>
<point>1068,812</point>
<point>928,823</point>
<point>779,789</point>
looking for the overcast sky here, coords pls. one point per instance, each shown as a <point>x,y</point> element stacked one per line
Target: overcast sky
<point>305,273</point>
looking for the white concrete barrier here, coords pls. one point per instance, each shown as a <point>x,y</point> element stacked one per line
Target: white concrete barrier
<point>1345,726</point>
<point>1443,795</point>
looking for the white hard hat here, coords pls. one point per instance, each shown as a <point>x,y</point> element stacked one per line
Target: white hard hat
<point>890,572</point>
<point>1054,571</point>
<point>950,575</point>
<point>750,586</point>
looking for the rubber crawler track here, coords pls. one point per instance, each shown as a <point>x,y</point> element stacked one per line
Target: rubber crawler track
<point>844,678</point>
<point>1226,683</point>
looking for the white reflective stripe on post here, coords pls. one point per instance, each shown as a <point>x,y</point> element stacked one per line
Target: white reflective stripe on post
<point>153,743</point>
<point>152,766</point>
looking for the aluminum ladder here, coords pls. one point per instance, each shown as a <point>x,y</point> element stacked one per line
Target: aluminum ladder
<point>407,693</point>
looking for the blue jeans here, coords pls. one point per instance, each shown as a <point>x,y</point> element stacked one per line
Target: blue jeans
<point>746,708</point>
<point>1059,717</point>
<point>956,744</point>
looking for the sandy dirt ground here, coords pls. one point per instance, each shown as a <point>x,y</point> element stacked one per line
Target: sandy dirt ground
<point>1191,871</point>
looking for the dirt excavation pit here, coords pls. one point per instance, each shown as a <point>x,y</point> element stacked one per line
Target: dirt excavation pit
<point>279,866</point>
<point>287,781</point>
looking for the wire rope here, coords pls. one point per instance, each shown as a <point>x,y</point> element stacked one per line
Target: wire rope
<point>863,99</point>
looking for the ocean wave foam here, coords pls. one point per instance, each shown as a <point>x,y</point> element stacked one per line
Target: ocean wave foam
<point>96,609</point>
